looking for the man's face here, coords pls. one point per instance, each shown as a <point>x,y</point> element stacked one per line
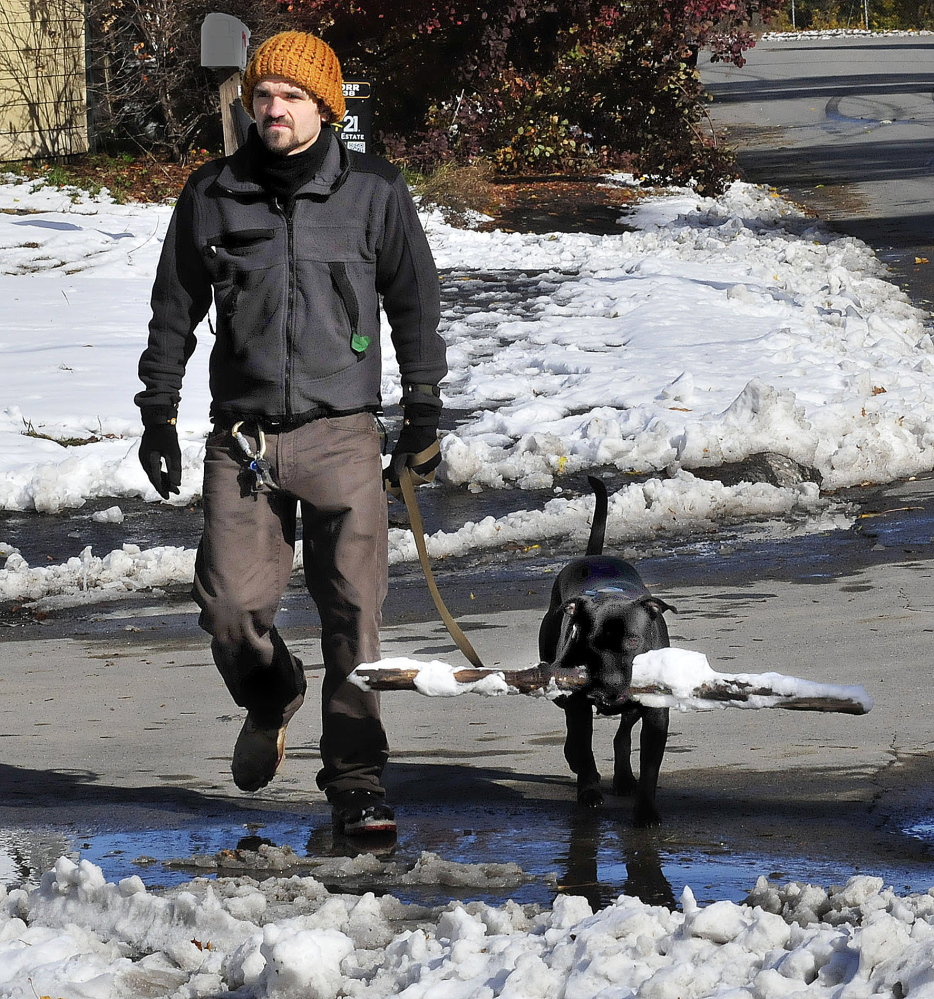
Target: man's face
<point>288,117</point>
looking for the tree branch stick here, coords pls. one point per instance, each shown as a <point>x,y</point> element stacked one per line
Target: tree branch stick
<point>724,691</point>
<point>535,680</point>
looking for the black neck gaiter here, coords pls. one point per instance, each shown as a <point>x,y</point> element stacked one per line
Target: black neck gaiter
<point>282,175</point>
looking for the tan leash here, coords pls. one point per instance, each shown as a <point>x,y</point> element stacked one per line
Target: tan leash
<point>418,532</point>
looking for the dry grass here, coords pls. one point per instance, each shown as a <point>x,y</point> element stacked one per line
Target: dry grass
<point>458,191</point>
<point>143,178</point>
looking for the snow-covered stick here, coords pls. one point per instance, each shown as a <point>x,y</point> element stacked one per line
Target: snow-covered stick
<point>755,692</point>
<point>429,678</point>
<point>680,678</point>
<point>675,678</point>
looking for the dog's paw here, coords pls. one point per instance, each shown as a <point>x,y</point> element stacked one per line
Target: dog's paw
<point>646,816</point>
<point>589,797</point>
<point>625,785</point>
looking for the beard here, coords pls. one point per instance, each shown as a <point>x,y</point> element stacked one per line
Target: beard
<point>286,138</point>
<point>278,139</point>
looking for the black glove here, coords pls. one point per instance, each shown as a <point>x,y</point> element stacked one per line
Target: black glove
<point>417,447</point>
<point>160,443</point>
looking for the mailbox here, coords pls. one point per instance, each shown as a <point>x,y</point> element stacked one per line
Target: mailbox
<point>224,42</point>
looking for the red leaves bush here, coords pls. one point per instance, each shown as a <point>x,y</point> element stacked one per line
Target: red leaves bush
<point>549,87</point>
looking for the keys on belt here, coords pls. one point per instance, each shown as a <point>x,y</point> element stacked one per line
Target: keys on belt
<point>261,469</point>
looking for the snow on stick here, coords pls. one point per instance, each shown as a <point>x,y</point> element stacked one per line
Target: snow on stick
<point>440,679</point>
<point>676,678</point>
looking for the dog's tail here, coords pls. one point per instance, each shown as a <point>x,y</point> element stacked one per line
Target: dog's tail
<point>598,525</point>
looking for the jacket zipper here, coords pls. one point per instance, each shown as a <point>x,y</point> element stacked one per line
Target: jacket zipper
<point>290,305</point>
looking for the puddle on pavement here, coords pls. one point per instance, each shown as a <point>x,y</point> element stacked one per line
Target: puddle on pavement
<point>595,857</point>
<point>923,831</point>
<point>894,529</point>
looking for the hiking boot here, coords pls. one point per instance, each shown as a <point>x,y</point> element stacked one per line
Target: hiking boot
<point>259,750</point>
<point>362,813</point>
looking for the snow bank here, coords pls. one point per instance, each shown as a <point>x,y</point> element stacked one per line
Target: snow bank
<point>79,936</point>
<point>717,329</point>
<point>673,506</point>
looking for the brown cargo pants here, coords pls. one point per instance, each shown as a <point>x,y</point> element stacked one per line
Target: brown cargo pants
<point>330,469</point>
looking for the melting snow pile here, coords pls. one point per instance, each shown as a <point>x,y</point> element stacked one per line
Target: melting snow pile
<point>79,936</point>
<point>717,329</point>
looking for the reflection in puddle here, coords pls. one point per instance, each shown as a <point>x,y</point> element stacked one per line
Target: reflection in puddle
<point>639,871</point>
<point>25,855</point>
<point>594,856</point>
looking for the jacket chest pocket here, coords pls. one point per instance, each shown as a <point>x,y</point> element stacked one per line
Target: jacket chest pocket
<point>244,249</point>
<point>233,259</point>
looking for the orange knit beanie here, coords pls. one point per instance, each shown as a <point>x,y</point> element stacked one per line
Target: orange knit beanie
<point>302,58</point>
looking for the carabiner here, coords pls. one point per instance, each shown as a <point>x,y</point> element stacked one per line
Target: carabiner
<point>260,468</point>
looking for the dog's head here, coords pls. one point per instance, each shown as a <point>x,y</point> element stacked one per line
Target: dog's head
<point>604,633</point>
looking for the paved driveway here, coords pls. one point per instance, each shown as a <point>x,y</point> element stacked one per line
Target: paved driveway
<point>846,125</point>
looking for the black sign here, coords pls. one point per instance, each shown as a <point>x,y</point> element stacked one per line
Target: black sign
<point>357,127</point>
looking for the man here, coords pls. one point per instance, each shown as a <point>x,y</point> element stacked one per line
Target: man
<point>297,241</point>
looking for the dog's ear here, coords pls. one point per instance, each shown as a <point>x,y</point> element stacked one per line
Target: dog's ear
<point>578,609</point>
<point>571,611</point>
<point>578,618</point>
<point>657,607</point>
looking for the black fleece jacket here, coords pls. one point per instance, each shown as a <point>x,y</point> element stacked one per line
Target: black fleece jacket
<point>297,289</point>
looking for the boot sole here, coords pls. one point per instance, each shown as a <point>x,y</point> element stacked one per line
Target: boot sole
<point>368,827</point>
<point>260,778</point>
<point>256,781</point>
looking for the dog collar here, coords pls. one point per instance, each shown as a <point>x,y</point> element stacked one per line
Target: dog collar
<point>627,592</point>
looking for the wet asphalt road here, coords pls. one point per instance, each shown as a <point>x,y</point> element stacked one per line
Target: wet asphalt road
<point>116,735</point>
<point>845,126</point>
<point>884,530</point>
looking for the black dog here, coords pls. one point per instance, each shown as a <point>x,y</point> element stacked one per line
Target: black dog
<point>601,616</point>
